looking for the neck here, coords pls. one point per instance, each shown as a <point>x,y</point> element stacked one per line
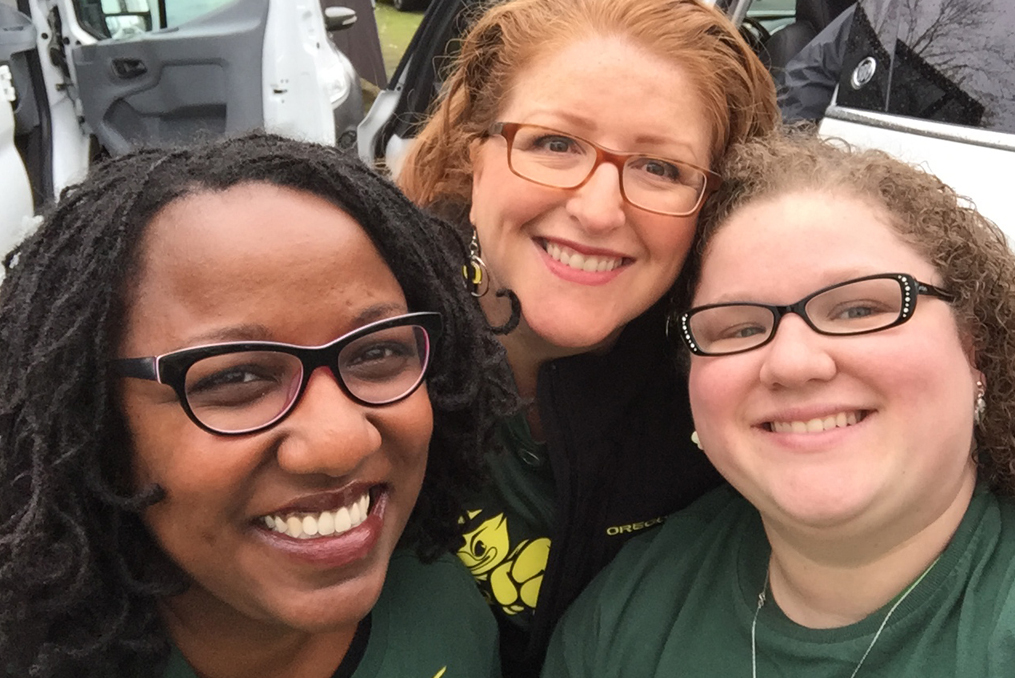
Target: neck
<point>221,643</point>
<point>826,581</point>
<point>526,350</point>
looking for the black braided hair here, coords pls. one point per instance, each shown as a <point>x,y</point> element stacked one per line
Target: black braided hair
<point>79,573</point>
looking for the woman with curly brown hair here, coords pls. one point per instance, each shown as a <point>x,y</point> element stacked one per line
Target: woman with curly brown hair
<point>574,141</point>
<point>851,329</point>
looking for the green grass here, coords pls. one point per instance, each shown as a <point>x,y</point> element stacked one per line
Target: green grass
<point>395,29</point>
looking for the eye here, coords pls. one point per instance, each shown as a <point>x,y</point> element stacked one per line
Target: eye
<point>240,374</point>
<point>859,310</point>
<point>658,170</point>
<point>741,331</point>
<point>379,353</point>
<point>238,385</point>
<point>555,143</point>
<point>379,360</point>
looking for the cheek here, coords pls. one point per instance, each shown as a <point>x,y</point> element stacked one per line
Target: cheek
<point>667,240</point>
<point>410,432</point>
<point>716,392</point>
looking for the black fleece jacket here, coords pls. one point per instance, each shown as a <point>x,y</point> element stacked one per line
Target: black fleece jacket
<point>618,428</point>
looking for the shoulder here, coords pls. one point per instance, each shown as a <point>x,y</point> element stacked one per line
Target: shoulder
<point>682,534</point>
<point>629,609</point>
<point>430,621</point>
<point>445,581</point>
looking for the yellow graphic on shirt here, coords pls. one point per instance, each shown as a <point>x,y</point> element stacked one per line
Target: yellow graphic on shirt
<point>509,576</point>
<point>440,673</point>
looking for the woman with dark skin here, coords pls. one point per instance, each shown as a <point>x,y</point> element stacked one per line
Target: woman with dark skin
<point>224,370</point>
<point>574,142</point>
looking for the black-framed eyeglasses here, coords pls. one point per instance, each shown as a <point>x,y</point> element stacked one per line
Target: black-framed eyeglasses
<point>550,157</point>
<point>245,387</point>
<point>859,306</point>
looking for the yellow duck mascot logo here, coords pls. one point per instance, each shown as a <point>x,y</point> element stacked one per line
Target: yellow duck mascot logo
<point>513,575</point>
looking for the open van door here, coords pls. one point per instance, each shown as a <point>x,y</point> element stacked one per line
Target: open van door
<point>17,43</point>
<point>203,77</point>
<point>143,76</point>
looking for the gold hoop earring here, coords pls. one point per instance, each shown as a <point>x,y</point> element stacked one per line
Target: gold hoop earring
<point>474,271</point>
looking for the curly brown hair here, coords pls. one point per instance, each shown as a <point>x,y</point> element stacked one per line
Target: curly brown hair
<point>737,91</point>
<point>968,251</point>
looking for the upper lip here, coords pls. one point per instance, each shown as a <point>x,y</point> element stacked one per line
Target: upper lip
<point>585,249</point>
<point>323,501</point>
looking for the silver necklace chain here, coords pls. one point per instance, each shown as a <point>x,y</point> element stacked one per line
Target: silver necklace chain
<point>884,622</point>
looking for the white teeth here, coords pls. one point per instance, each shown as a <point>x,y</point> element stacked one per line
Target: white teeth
<point>323,524</point>
<point>326,524</point>
<point>840,420</point>
<point>582,262</point>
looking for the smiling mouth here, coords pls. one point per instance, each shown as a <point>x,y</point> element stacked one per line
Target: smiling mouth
<point>818,425</point>
<point>590,263</point>
<point>321,524</point>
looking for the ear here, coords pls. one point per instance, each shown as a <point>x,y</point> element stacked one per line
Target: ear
<point>476,159</point>
<point>966,338</point>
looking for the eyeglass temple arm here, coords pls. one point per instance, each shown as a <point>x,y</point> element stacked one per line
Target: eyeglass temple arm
<point>139,368</point>
<point>934,291</point>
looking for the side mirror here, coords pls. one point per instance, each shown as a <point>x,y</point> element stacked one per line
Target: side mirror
<point>338,18</point>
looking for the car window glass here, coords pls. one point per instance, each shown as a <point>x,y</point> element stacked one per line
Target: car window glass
<point>943,60</point>
<point>773,14</point>
<point>122,19</point>
<point>182,11</point>
<point>117,19</point>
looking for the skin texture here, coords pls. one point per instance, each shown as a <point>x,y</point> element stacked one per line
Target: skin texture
<point>867,507</point>
<point>259,262</point>
<point>614,93</point>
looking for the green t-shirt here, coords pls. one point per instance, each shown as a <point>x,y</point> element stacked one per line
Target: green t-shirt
<point>680,602</point>
<point>508,524</point>
<point>430,622</point>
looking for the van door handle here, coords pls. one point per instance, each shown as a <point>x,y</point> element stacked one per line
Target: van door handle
<point>126,68</point>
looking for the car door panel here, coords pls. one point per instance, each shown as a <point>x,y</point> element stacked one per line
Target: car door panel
<point>200,78</point>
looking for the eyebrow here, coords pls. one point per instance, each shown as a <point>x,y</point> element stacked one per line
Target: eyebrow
<point>840,276</point>
<point>588,125</point>
<point>258,332</point>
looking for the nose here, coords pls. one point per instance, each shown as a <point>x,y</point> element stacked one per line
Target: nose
<point>598,204</point>
<point>796,355</point>
<point>327,432</point>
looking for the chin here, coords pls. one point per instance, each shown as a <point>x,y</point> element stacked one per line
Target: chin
<point>578,335</point>
<point>333,608</point>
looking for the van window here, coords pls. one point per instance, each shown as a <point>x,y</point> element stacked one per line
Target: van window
<point>944,60</point>
<point>182,11</point>
<point>122,19</point>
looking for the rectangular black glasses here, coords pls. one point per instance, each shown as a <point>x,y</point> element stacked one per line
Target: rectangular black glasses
<point>859,306</point>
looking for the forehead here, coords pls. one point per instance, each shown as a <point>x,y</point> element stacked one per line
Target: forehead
<point>784,247</point>
<point>254,255</point>
<point>612,89</point>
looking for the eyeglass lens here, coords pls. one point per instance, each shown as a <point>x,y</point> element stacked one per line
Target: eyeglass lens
<point>853,308</point>
<point>244,390</point>
<point>556,159</point>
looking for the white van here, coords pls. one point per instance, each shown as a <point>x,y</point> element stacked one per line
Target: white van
<point>80,79</point>
<point>933,82</point>
<point>930,81</point>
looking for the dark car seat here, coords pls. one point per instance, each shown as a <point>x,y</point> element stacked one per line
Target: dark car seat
<point>811,17</point>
